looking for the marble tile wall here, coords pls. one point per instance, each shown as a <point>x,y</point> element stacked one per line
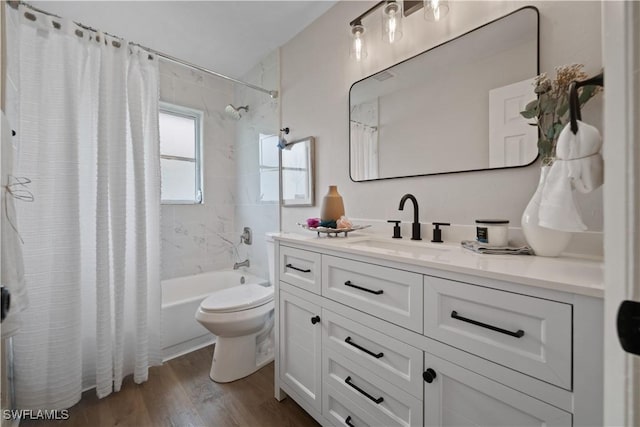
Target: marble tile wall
<point>263,118</point>
<point>206,237</point>
<point>198,238</point>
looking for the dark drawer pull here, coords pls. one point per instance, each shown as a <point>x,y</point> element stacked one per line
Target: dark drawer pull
<point>348,422</point>
<point>518,334</point>
<point>348,283</point>
<point>298,269</point>
<point>369,352</point>
<point>378,401</point>
<point>315,319</point>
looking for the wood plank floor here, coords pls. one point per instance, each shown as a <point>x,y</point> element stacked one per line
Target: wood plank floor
<point>180,393</point>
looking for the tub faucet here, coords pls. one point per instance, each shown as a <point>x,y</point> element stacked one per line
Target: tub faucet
<point>415,228</point>
<point>244,263</point>
<point>245,237</point>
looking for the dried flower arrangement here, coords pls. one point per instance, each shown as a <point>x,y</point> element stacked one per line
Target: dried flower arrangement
<point>551,108</point>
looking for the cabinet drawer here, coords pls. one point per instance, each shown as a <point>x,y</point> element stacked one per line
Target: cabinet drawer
<point>456,397</point>
<point>342,411</point>
<point>386,403</point>
<point>393,295</point>
<point>395,361</point>
<point>528,334</point>
<point>300,268</point>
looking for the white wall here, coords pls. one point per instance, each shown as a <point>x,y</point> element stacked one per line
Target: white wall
<point>317,74</point>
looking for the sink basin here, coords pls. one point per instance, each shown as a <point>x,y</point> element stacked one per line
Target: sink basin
<point>416,249</point>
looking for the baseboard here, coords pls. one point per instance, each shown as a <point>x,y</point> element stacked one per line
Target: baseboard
<point>187,347</point>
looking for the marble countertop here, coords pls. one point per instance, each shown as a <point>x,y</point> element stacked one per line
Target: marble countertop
<point>569,274</point>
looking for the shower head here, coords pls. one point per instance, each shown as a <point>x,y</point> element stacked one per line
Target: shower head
<point>233,112</point>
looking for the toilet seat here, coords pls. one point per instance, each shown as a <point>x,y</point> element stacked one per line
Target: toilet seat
<point>237,298</point>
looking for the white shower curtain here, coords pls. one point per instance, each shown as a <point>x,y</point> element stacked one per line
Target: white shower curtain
<point>88,141</point>
<point>364,151</point>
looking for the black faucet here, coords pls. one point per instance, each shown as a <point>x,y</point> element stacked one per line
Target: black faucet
<point>415,228</point>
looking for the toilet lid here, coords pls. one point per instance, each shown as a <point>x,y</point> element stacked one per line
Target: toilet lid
<point>237,298</point>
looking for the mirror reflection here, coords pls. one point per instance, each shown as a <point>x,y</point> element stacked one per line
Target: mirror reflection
<point>452,108</point>
<point>297,172</point>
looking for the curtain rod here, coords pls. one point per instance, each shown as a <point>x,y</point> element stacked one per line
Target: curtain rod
<point>272,93</point>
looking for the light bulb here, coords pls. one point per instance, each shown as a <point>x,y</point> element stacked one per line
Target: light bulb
<point>392,27</point>
<point>392,22</point>
<point>358,47</point>
<point>434,10</point>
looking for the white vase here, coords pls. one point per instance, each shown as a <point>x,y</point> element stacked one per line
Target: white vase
<point>544,241</point>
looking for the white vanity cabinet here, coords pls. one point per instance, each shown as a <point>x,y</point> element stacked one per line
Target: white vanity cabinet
<point>404,344</point>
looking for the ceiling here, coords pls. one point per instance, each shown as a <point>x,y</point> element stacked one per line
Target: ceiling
<point>229,37</point>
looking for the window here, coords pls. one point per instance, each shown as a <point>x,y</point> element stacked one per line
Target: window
<point>269,167</point>
<point>180,154</point>
<point>297,173</point>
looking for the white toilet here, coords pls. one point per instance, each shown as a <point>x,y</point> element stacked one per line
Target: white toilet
<point>242,319</point>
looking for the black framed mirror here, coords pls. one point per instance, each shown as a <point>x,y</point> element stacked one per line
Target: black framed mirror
<point>453,108</point>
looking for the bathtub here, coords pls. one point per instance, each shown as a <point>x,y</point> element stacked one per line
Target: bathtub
<point>181,297</point>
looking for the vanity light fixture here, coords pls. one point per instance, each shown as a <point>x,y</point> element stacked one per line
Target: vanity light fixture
<point>435,10</point>
<point>358,46</point>
<point>392,21</point>
<point>393,12</point>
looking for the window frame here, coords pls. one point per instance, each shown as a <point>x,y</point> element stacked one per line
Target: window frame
<point>197,116</point>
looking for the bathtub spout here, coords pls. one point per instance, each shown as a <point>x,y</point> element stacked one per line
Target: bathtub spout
<point>244,263</point>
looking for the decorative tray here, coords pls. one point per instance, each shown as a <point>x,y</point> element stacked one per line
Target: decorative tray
<point>334,232</point>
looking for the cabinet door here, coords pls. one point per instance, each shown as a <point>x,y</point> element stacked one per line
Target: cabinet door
<point>300,338</point>
<point>459,397</point>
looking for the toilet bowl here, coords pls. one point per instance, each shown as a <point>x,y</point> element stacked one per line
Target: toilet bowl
<point>237,316</point>
<point>242,319</point>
